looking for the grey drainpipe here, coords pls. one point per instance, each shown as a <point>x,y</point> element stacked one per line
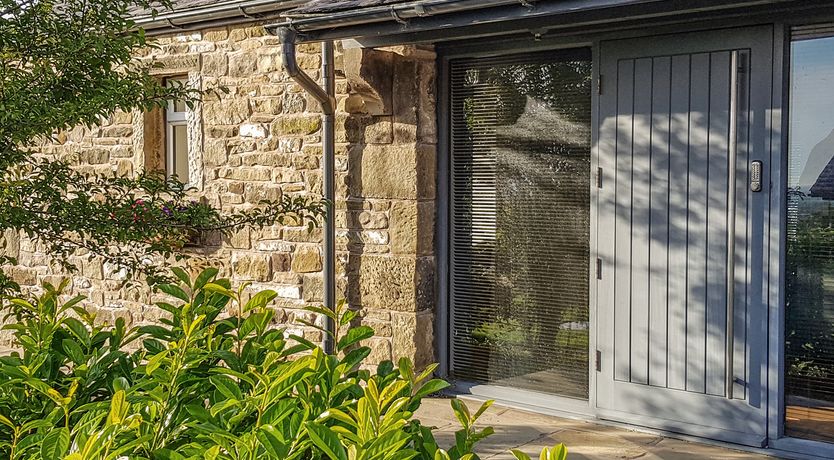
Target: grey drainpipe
<point>327,98</point>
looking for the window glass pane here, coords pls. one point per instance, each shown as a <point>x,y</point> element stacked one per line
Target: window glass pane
<point>180,152</point>
<point>177,106</point>
<point>521,197</point>
<point>809,392</point>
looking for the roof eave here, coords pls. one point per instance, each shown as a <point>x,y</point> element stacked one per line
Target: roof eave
<point>401,23</point>
<point>217,14</point>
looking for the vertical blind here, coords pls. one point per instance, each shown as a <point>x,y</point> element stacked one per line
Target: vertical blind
<point>521,136</point>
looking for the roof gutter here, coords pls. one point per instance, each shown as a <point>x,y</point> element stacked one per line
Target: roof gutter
<point>420,21</point>
<point>326,96</point>
<point>400,13</point>
<point>218,14</point>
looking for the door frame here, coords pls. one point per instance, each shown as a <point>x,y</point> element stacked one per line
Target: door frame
<point>758,39</point>
<point>777,213</point>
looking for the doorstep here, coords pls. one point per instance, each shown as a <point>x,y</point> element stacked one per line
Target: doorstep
<point>529,432</point>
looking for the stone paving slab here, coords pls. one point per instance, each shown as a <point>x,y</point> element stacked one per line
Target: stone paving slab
<point>529,432</point>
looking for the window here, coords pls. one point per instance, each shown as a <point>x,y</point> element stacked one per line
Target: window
<point>521,148</point>
<point>176,136</point>
<point>809,312</point>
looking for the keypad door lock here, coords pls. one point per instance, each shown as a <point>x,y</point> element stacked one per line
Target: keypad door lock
<point>756,176</point>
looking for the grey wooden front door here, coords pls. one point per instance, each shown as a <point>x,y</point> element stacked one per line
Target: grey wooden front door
<point>674,112</point>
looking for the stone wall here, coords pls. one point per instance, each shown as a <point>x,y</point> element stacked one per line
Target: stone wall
<point>262,140</point>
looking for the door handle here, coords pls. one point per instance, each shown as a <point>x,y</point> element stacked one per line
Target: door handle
<point>732,154</point>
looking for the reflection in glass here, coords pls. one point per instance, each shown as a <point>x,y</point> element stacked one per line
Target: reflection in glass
<point>809,393</point>
<point>521,185</point>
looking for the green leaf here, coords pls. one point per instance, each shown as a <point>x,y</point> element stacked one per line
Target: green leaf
<point>155,361</point>
<point>558,452</point>
<point>174,291</point>
<point>218,289</point>
<point>272,441</point>
<point>441,454</point>
<point>354,336</point>
<point>167,454</point>
<point>260,300</point>
<point>322,310</point>
<point>326,441</point>
<point>118,409</point>
<point>461,412</point>
<point>182,275</point>
<point>120,384</point>
<point>5,421</point>
<point>55,444</point>
<point>73,351</point>
<point>486,405</point>
<point>78,329</point>
<point>432,386</point>
<point>355,357</point>
<point>226,386</point>
<point>204,277</point>
<point>347,317</point>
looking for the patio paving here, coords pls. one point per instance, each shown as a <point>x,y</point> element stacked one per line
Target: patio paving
<point>529,432</point>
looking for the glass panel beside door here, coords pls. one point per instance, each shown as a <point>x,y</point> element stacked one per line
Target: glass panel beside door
<point>521,219</point>
<point>809,328</point>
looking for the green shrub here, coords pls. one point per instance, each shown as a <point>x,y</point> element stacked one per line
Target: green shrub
<point>213,380</point>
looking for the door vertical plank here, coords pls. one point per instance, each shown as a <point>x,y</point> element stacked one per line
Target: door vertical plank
<point>659,231</point>
<point>640,221</point>
<point>697,225</point>
<point>744,230</point>
<point>607,148</point>
<point>678,192</point>
<point>622,261</point>
<point>717,223</point>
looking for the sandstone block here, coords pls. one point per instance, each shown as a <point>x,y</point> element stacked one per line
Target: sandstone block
<point>306,260</point>
<point>175,64</point>
<point>250,266</point>
<point>242,64</point>
<point>22,276</point>
<point>306,160</point>
<point>10,244</point>
<point>412,227</point>
<point>240,239</point>
<point>226,112</point>
<point>216,35</point>
<point>413,337</point>
<point>380,350</point>
<point>303,235</point>
<point>364,129</point>
<point>281,262</point>
<point>215,152</point>
<point>296,125</point>
<point>391,283</point>
<point>215,64</point>
<point>398,172</point>
<point>370,79</point>
<point>246,174</point>
<point>288,292</point>
<point>256,193</point>
<point>269,106</point>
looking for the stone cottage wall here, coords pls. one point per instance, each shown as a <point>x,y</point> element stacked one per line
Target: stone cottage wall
<point>262,140</point>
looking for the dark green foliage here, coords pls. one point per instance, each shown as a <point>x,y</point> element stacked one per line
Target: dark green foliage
<point>213,380</point>
<point>71,63</point>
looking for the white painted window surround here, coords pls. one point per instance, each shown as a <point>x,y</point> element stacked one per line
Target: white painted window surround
<point>183,142</point>
<point>176,137</point>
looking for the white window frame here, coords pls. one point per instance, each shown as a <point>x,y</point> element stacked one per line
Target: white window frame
<point>173,119</point>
